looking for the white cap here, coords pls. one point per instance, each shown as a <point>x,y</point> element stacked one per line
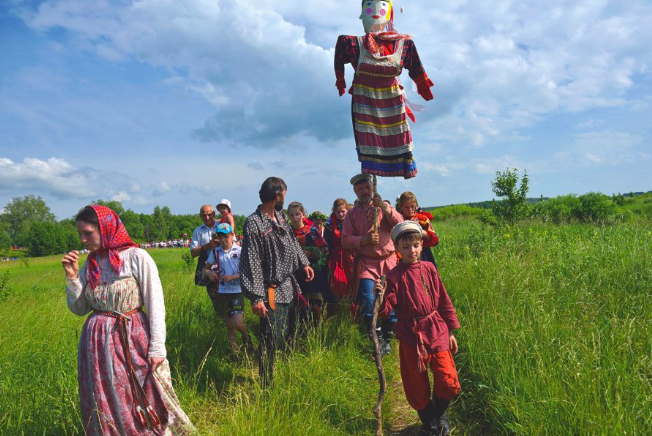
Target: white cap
<point>405,226</point>
<point>225,202</point>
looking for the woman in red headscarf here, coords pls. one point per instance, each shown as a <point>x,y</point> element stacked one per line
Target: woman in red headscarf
<point>123,373</point>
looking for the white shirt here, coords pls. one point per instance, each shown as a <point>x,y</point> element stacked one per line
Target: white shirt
<point>202,235</point>
<point>229,265</point>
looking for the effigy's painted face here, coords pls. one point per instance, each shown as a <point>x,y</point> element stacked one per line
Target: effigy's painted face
<point>375,15</point>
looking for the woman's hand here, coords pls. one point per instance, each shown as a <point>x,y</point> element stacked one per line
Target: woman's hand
<point>452,343</point>
<point>154,362</point>
<point>70,263</point>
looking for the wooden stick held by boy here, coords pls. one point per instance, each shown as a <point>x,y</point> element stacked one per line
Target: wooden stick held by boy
<point>378,408</point>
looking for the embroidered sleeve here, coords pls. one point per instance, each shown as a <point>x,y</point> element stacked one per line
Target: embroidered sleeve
<point>75,293</point>
<point>146,273</point>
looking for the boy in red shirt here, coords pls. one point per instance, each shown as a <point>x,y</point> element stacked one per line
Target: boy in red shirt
<point>426,318</point>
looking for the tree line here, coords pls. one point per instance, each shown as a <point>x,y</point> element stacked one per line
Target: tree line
<point>28,222</point>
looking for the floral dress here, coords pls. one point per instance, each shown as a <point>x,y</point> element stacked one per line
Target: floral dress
<point>119,394</point>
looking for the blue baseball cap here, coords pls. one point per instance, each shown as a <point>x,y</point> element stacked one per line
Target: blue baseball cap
<point>224,228</point>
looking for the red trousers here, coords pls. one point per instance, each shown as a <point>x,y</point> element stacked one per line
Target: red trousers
<point>417,384</point>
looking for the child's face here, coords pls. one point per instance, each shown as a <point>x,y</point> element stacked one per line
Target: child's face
<point>408,209</point>
<point>340,212</point>
<point>226,239</point>
<point>222,209</point>
<point>409,250</point>
<point>318,224</point>
<point>296,217</point>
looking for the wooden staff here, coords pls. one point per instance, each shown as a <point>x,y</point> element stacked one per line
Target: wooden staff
<point>375,183</point>
<point>378,408</point>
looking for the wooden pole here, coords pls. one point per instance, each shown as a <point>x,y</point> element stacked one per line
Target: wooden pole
<point>375,183</point>
<point>378,408</point>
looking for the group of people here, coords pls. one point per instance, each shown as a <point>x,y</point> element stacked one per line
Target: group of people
<point>285,266</point>
<point>170,243</point>
<point>304,263</point>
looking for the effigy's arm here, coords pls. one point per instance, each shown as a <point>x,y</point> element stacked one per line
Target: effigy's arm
<point>346,52</point>
<point>412,63</point>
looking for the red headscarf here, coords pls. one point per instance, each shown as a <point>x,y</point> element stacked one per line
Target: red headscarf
<point>114,236</point>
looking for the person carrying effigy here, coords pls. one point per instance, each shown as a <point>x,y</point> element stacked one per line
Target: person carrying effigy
<point>270,258</point>
<point>379,105</point>
<point>426,320</point>
<point>374,251</point>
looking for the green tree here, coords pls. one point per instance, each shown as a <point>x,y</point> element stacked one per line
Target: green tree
<point>44,239</point>
<point>23,212</point>
<point>513,206</point>
<point>115,206</point>
<point>133,224</point>
<point>5,240</point>
<point>162,223</point>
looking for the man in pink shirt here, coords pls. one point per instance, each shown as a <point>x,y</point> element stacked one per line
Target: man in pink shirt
<point>374,252</point>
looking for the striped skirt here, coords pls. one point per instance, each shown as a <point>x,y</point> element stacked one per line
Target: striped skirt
<point>382,134</point>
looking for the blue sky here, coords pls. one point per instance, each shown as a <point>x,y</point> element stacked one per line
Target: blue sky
<point>186,102</point>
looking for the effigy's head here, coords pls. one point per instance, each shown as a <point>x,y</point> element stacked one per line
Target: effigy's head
<point>376,14</point>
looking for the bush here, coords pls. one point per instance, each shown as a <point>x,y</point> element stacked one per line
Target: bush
<point>595,207</point>
<point>456,211</point>
<point>557,210</point>
<point>514,206</point>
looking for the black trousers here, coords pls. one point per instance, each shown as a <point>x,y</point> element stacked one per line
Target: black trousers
<point>274,334</point>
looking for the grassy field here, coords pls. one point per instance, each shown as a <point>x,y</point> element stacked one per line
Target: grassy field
<point>556,339</point>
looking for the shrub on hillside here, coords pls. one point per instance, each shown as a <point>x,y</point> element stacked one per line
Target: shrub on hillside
<point>596,207</point>
<point>593,207</point>
<point>557,210</point>
<point>457,211</point>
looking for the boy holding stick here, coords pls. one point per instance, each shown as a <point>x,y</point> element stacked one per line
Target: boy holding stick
<point>426,318</point>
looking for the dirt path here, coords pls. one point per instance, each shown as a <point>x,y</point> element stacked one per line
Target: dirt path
<point>404,420</point>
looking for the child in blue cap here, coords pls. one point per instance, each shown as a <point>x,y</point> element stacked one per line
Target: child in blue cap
<point>223,270</point>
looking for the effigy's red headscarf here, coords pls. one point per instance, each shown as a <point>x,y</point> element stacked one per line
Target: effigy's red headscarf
<point>114,237</point>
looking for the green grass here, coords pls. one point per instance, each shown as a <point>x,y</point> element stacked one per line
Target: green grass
<point>556,326</point>
<point>556,339</point>
<point>327,386</point>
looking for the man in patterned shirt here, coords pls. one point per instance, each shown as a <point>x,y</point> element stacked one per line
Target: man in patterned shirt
<point>270,257</point>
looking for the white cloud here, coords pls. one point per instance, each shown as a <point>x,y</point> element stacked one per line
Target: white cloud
<point>58,178</point>
<point>607,147</point>
<point>121,196</point>
<point>161,189</point>
<point>54,176</point>
<point>506,75</point>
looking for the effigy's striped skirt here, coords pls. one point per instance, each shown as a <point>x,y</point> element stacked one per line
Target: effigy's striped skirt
<point>380,125</point>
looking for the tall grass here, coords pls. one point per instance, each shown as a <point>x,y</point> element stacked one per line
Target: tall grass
<point>556,339</point>
<point>556,326</point>
<point>326,386</point>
